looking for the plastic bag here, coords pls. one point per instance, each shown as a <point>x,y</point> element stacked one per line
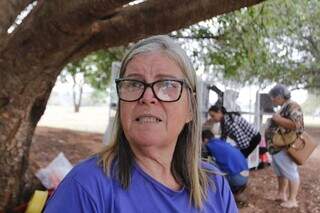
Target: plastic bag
<point>52,175</point>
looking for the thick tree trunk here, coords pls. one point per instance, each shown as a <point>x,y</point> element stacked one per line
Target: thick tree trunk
<point>57,31</point>
<point>19,116</point>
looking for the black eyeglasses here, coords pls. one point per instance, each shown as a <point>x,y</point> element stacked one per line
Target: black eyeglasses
<point>166,90</point>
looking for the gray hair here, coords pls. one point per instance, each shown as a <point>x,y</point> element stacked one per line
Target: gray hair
<point>186,165</point>
<point>281,91</point>
<point>166,45</point>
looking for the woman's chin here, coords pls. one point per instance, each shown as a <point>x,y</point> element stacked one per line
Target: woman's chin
<point>148,141</point>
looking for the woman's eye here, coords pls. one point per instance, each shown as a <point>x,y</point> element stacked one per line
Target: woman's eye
<point>134,84</point>
<point>168,84</point>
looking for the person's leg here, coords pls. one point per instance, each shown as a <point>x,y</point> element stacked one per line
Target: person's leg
<point>293,192</point>
<point>282,188</point>
<point>289,170</point>
<point>253,144</point>
<point>282,181</point>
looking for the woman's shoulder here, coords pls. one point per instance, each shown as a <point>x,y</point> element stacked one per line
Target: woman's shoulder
<point>292,108</point>
<point>293,104</point>
<point>86,167</point>
<point>84,189</point>
<point>88,173</point>
<point>213,172</point>
<point>233,117</point>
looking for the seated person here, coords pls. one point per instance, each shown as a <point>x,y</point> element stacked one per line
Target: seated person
<point>229,160</point>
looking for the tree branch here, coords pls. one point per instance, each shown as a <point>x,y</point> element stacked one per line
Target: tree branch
<point>168,15</point>
<point>9,10</point>
<point>195,37</point>
<point>74,13</point>
<point>51,38</point>
<point>50,33</point>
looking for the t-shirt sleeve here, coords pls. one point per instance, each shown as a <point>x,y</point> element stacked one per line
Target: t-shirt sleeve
<point>227,196</point>
<point>296,115</point>
<point>70,197</point>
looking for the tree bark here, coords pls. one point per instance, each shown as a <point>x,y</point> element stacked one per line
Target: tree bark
<point>9,9</point>
<point>56,32</point>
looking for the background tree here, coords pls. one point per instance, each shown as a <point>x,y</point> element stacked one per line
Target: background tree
<point>93,70</point>
<point>278,41</point>
<point>56,32</point>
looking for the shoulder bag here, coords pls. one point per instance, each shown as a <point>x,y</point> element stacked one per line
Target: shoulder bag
<point>301,149</point>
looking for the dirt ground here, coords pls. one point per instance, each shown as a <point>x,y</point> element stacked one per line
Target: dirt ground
<point>48,142</point>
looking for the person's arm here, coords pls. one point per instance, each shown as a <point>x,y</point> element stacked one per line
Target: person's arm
<point>283,122</point>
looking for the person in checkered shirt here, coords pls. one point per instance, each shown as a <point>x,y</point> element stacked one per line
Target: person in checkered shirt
<point>246,136</point>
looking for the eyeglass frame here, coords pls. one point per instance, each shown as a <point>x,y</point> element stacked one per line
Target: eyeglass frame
<point>146,85</point>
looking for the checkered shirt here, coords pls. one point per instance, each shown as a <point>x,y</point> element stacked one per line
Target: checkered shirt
<point>239,130</point>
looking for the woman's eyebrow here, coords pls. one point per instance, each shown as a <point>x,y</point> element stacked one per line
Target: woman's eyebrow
<point>134,75</point>
<point>159,76</point>
<point>166,76</point>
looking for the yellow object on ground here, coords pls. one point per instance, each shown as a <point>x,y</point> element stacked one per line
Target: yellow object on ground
<point>37,202</point>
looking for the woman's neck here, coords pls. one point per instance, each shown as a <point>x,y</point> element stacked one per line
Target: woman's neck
<point>158,167</point>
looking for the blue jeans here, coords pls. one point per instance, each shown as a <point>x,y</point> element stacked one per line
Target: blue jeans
<point>237,182</point>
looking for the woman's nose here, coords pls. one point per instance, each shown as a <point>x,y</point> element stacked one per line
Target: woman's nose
<point>148,97</point>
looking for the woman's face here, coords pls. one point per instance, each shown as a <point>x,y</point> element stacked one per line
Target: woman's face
<point>148,121</point>
<point>277,101</point>
<point>216,116</point>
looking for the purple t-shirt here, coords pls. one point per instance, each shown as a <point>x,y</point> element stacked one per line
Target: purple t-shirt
<point>87,189</point>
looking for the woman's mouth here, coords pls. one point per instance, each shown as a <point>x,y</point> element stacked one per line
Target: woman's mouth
<point>148,119</point>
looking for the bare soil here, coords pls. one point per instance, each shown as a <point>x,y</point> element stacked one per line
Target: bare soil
<point>48,142</point>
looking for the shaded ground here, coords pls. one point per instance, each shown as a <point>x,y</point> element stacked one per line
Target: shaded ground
<point>48,142</point>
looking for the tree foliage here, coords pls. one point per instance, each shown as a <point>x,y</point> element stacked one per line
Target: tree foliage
<point>278,41</point>
<point>94,70</point>
<point>96,67</point>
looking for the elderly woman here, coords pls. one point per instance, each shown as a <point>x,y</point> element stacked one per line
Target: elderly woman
<point>153,164</point>
<point>245,135</point>
<point>288,118</point>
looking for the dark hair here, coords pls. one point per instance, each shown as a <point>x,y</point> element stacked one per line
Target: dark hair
<point>220,108</point>
<point>206,134</point>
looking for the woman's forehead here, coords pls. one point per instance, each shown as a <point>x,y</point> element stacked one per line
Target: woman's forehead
<point>155,64</point>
